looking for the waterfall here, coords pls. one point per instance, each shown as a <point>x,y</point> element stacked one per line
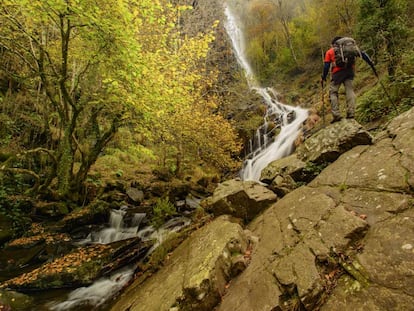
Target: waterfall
<point>117,229</point>
<point>263,147</point>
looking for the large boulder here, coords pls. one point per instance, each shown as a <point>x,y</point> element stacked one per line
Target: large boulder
<point>329,143</point>
<point>241,199</point>
<point>288,166</point>
<point>285,174</point>
<point>195,275</point>
<point>387,262</point>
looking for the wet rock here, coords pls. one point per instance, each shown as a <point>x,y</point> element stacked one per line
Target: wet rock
<point>196,273</point>
<point>96,212</point>
<point>32,251</point>
<point>289,166</point>
<point>241,199</point>
<point>135,194</point>
<point>329,143</point>
<point>10,300</point>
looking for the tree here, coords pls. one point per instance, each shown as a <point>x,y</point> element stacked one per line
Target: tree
<point>184,126</point>
<point>383,24</point>
<point>76,62</point>
<point>285,11</point>
<point>88,70</point>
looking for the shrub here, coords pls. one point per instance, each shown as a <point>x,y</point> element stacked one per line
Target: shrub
<point>162,211</point>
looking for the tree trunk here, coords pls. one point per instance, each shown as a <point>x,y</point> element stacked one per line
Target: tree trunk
<point>65,164</point>
<point>289,41</point>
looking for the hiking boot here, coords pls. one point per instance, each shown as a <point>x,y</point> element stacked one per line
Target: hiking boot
<point>336,119</point>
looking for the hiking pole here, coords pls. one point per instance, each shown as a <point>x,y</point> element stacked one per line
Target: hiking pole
<point>385,90</point>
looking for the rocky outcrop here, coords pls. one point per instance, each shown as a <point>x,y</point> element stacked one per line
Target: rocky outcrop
<point>241,199</point>
<point>342,242</point>
<point>350,230</point>
<point>328,144</point>
<point>196,274</point>
<point>311,157</point>
<point>300,238</point>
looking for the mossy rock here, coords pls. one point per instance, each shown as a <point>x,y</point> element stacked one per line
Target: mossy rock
<point>96,212</point>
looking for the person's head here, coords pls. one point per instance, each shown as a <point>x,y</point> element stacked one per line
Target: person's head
<point>335,39</point>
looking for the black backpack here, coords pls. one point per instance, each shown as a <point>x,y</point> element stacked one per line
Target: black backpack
<point>346,50</point>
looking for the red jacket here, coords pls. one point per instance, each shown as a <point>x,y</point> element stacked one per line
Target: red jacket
<point>330,58</point>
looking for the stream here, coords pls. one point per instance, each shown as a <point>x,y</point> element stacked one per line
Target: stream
<point>119,228</point>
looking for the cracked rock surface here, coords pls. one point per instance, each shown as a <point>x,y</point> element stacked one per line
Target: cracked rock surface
<point>343,242</point>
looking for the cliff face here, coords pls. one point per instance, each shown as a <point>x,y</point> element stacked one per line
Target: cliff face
<point>234,98</point>
<point>201,20</point>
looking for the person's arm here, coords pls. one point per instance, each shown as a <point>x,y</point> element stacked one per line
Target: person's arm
<point>368,60</point>
<point>326,66</point>
<point>329,56</point>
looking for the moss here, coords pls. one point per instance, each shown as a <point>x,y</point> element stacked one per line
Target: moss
<point>357,272</point>
<point>343,187</point>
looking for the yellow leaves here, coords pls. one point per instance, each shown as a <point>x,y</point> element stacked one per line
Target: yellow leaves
<point>176,83</point>
<point>39,235</point>
<point>69,263</point>
<point>37,228</point>
<point>26,241</point>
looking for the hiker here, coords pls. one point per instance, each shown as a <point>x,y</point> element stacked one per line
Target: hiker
<point>342,67</point>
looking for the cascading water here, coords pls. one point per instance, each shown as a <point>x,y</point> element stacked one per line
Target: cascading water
<point>100,291</point>
<point>117,230</point>
<point>263,148</point>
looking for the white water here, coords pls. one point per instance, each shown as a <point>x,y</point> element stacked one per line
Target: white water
<point>96,294</point>
<point>103,289</point>
<point>263,149</point>
<point>117,230</point>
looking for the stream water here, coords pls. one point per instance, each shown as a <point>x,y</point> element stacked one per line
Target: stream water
<point>98,294</point>
<point>264,147</point>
